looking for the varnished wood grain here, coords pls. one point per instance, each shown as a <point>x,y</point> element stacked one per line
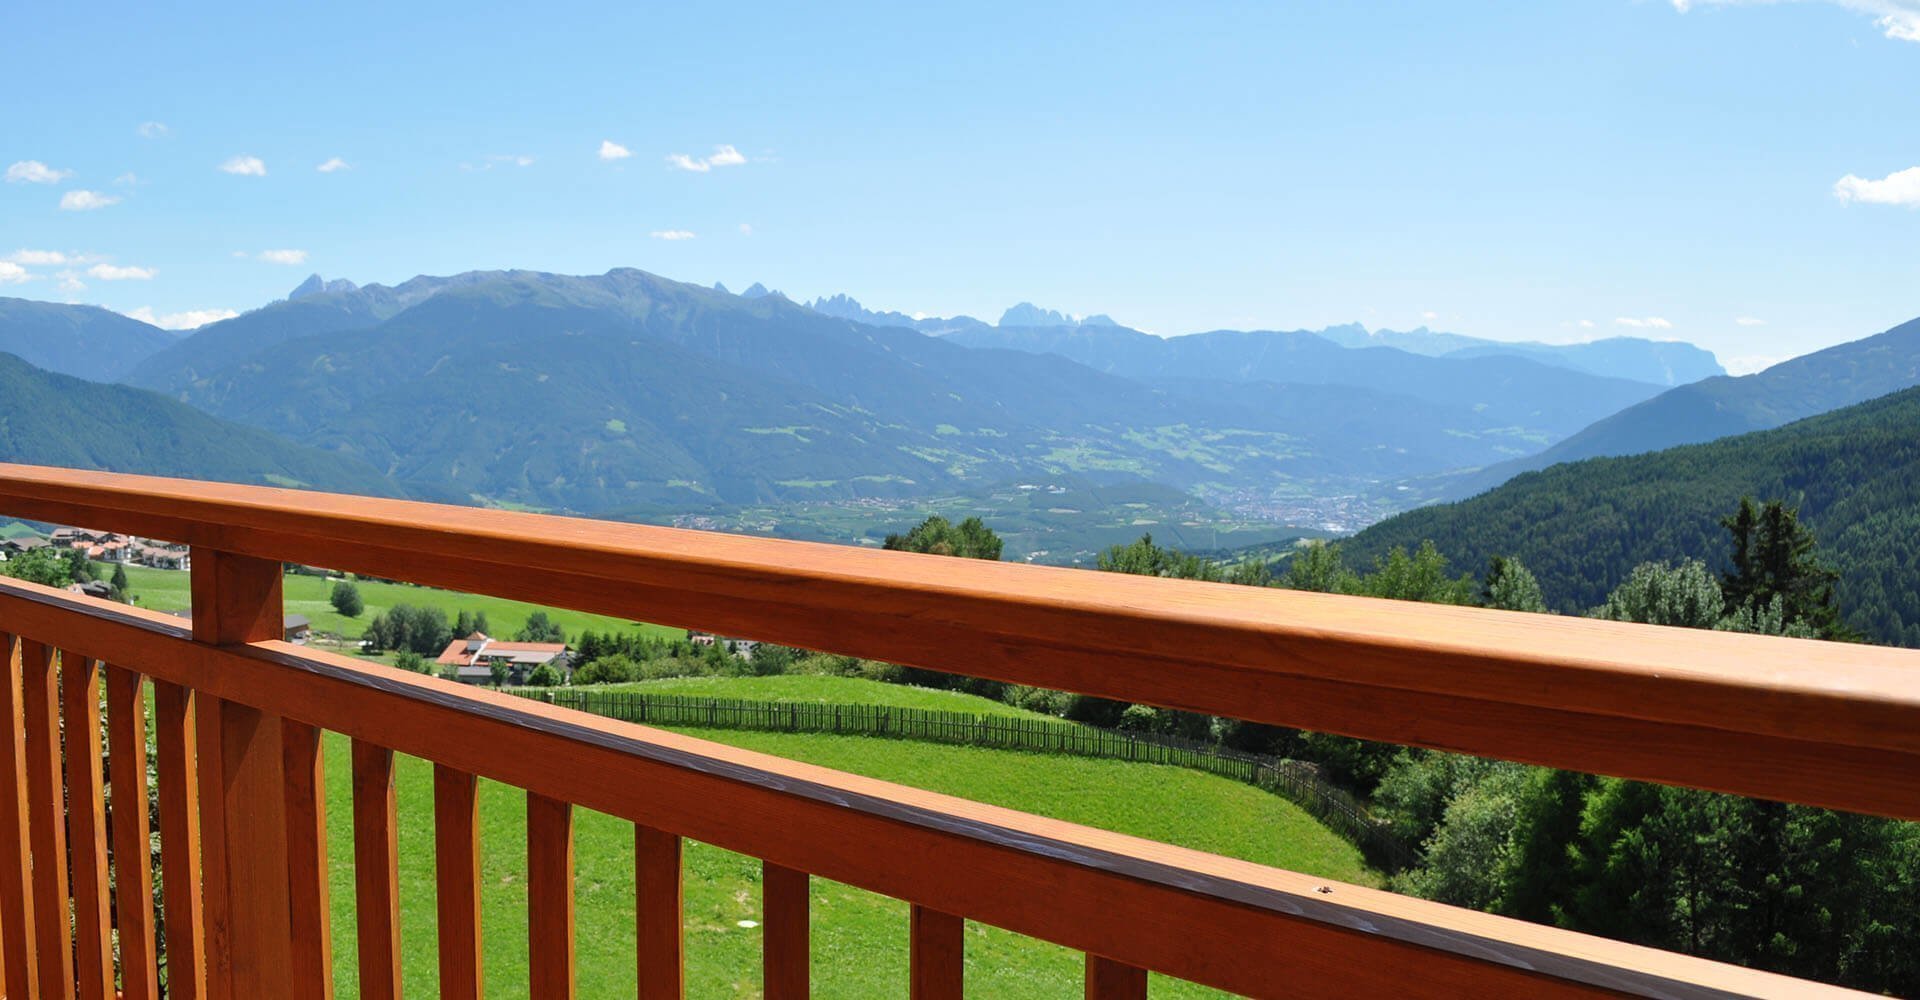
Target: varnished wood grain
<point>309,915</point>
<point>937,966</point>
<point>456,839</point>
<point>376,863</point>
<point>46,820</point>
<point>786,945</point>
<point>132,825</point>
<point>17,952</point>
<point>175,738</point>
<point>659,913</point>
<point>87,827</point>
<point>550,896</point>
<point>1111,980</point>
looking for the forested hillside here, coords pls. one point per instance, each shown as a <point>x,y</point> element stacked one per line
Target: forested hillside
<point>1582,527</point>
<point>83,341</point>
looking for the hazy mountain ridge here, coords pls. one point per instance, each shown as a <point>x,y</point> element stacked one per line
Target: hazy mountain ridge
<point>83,341</point>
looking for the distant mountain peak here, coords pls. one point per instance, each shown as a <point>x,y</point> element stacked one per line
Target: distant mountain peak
<point>1028,314</point>
<point>756,291</point>
<point>316,285</point>
<point>721,288</point>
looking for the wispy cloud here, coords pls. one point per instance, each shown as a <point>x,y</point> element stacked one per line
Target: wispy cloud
<point>114,272</point>
<point>153,130</point>
<point>610,150</point>
<point>13,274</point>
<point>1899,188</point>
<point>333,164</point>
<point>245,166</point>
<point>128,179</point>
<point>35,172</point>
<point>492,160</point>
<point>1897,19</point>
<point>70,282</point>
<point>1586,324</point>
<point>1644,323</point>
<point>746,229</point>
<point>86,201</point>
<point>185,320</point>
<point>671,234</point>
<point>1750,321</point>
<point>723,156</point>
<point>39,258</point>
<point>289,257</point>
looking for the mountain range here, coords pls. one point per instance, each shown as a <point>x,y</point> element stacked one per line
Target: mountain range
<point>84,341</point>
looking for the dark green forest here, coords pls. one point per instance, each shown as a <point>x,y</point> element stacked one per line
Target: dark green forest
<point>1581,528</point>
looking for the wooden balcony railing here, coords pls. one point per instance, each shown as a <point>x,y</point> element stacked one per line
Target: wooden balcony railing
<point>238,716</point>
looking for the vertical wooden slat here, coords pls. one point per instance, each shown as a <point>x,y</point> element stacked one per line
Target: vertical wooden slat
<point>17,952</point>
<point>376,862</point>
<point>658,913</point>
<point>1111,980</point>
<point>46,824</point>
<point>132,851</point>
<point>308,919</point>
<point>784,940</point>
<point>174,737</point>
<point>456,841</point>
<point>937,963</point>
<point>550,896</point>
<point>87,826</point>
<point>237,599</point>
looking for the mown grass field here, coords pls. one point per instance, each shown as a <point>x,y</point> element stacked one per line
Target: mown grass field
<point>170,590</point>
<point>859,939</point>
<point>822,688</point>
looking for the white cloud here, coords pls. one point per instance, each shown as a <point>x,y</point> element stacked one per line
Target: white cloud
<point>13,274</point>
<point>35,172</point>
<point>1750,321</point>
<point>1899,188</point>
<point>1430,315</point>
<point>38,258</point>
<point>114,272</point>
<point>333,164</point>
<point>153,130</point>
<point>1645,323</point>
<point>1586,324</point>
<point>128,179</point>
<point>245,166</point>
<point>284,256</point>
<point>671,234</point>
<point>70,282</point>
<point>84,201</point>
<point>495,159</point>
<point>1747,364</point>
<point>610,150</point>
<point>746,229</point>
<point>723,156</point>
<point>1898,19</point>
<point>186,320</point>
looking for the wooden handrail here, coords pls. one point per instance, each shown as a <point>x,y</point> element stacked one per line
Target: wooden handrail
<point>1231,924</point>
<point>1787,719</point>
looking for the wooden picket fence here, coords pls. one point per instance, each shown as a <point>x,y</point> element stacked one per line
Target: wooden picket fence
<point>1297,781</point>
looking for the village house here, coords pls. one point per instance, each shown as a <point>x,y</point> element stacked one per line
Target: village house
<point>11,547</point>
<point>474,658</point>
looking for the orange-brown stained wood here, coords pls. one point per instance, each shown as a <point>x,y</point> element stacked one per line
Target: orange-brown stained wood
<point>1538,688</point>
<point>937,966</point>
<point>174,738</point>
<point>87,823</point>
<point>456,840</point>
<point>376,862</point>
<point>132,823</point>
<point>17,953</point>
<point>785,941</point>
<point>550,896</point>
<point>658,914</point>
<point>1111,980</point>
<point>309,916</point>
<point>46,820</point>
<point>1104,893</point>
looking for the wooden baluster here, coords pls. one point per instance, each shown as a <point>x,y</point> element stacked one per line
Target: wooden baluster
<point>237,599</point>
<point>87,823</point>
<point>937,962</point>
<point>550,896</point>
<point>132,823</point>
<point>376,863</point>
<point>1111,980</point>
<point>658,913</point>
<point>309,923</point>
<point>46,823</point>
<point>174,737</point>
<point>785,945</point>
<point>456,839</point>
<point>17,953</point>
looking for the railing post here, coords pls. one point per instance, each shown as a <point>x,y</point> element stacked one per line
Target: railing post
<point>236,599</point>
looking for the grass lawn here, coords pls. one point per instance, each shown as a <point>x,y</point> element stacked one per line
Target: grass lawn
<point>170,590</point>
<point>859,939</point>
<point>822,688</point>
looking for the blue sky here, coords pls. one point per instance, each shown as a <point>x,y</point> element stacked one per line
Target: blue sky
<point>1559,170</point>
